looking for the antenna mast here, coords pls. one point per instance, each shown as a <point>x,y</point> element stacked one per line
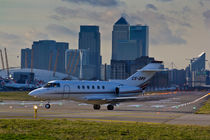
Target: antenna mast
<point>2,60</point>
<point>7,64</point>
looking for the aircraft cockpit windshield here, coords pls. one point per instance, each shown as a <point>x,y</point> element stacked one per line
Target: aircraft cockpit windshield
<point>52,85</point>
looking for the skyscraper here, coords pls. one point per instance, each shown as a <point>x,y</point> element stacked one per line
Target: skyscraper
<point>141,35</point>
<point>199,64</point>
<point>120,32</point>
<point>127,50</point>
<point>128,44</point>
<point>26,58</point>
<point>45,53</point>
<point>196,74</point>
<point>89,39</point>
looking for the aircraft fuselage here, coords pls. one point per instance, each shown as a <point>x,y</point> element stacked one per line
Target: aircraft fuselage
<point>85,90</point>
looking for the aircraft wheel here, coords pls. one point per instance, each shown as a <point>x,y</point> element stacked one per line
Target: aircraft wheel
<point>110,107</point>
<point>96,107</point>
<point>47,106</point>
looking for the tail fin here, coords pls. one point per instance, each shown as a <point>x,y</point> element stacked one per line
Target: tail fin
<point>143,75</point>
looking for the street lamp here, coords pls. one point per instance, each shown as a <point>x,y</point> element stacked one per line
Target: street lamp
<point>35,111</point>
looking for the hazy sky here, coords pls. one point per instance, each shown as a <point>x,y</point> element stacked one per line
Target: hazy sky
<point>179,29</point>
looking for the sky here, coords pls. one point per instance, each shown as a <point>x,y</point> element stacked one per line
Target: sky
<point>178,29</point>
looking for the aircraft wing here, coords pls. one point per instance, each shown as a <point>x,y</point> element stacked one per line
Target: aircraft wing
<point>139,98</point>
<point>124,99</point>
<point>109,99</point>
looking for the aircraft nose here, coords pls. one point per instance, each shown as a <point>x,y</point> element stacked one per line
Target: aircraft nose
<point>34,93</point>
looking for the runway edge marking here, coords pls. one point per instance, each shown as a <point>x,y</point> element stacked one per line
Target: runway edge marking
<point>181,105</point>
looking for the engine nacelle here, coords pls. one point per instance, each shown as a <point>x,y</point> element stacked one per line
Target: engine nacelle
<point>123,91</point>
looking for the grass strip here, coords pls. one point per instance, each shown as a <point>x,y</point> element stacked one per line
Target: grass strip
<point>17,95</point>
<point>82,130</point>
<point>205,109</point>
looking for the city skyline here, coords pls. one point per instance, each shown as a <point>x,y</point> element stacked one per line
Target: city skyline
<point>177,31</point>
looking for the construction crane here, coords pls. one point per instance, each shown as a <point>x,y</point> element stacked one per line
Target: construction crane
<point>56,61</point>
<point>75,67</point>
<point>7,64</point>
<point>173,65</point>
<point>69,60</point>
<point>2,60</point>
<point>72,63</point>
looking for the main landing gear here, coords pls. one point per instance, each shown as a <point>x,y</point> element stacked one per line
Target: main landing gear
<point>97,107</point>
<point>47,106</point>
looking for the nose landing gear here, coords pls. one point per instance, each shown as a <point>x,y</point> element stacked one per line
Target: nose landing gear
<point>47,106</point>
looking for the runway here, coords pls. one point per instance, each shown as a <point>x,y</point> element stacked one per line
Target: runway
<point>173,108</point>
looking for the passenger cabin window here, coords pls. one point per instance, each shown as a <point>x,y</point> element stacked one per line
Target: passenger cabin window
<point>78,87</point>
<point>52,85</point>
<point>103,87</point>
<point>88,87</point>
<point>98,87</point>
<point>93,87</point>
<point>83,87</point>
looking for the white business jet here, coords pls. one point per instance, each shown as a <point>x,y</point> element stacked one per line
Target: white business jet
<point>99,92</point>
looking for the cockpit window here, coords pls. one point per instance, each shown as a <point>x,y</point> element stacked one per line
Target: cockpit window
<point>51,85</point>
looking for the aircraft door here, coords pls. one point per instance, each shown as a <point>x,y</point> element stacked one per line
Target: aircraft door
<point>117,91</point>
<point>66,91</point>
